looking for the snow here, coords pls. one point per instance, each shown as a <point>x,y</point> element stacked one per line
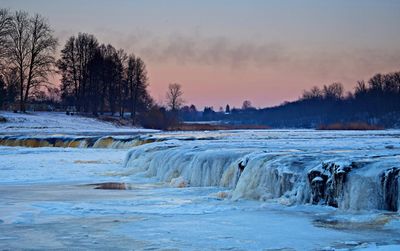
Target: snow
<point>382,248</point>
<point>317,179</point>
<point>58,165</point>
<point>58,123</point>
<point>239,190</point>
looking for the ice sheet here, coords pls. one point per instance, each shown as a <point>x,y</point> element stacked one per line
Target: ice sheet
<point>48,200</point>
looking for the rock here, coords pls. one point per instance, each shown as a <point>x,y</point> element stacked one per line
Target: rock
<point>390,188</point>
<point>179,182</point>
<point>327,185</point>
<point>111,186</point>
<point>317,181</point>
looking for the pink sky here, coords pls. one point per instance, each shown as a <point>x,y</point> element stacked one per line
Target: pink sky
<point>224,52</point>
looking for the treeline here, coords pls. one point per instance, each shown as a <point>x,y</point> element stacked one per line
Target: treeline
<point>375,102</point>
<point>98,78</point>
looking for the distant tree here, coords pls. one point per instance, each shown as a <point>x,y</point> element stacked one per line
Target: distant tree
<point>102,77</point>
<point>376,83</point>
<point>174,96</point>
<point>314,93</point>
<point>157,118</point>
<point>141,96</point>
<point>131,83</point>
<point>246,105</point>
<point>208,113</point>
<point>189,113</point>
<point>40,96</point>
<point>95,83</point>
<point>74,69</point>
<point>69,66</point>
<point>185,109</point>
<point>122,87</point>
<point>333,91</point>
<point>53,94</point>
<point>31,50</point>
<point>193,108</point>
<point>106,80</point>
<point>360,88</point>
<point>137,81</point>
<point>227,109</point>
<point>113,78</point>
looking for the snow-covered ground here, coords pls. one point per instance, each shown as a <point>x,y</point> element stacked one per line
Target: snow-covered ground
<point>235,190</point>
<point>58,123</point>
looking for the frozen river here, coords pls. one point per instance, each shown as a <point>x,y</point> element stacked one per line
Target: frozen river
<point>237,190</point>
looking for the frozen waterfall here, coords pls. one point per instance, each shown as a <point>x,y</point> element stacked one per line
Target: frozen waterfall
<point>349,180</point>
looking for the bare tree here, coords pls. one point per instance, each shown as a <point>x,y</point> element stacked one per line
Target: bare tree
<point>18,49</point>
<point>333,91</point>
<point>86,48</point>
<point>130,79</point>
<point>174,96</point>
<point>227,109</point>
<point>74,69</point>
<point>137,80</point>
<point>31,50</point>
<point>41,52</point>
<point>5,23</point>
<point>360,88</point>
<point>314,93</point>
<point>120,68</point>
<point>111,76</point>
<point>68,67</point>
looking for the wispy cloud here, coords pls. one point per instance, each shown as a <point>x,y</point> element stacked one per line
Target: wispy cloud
<point>213,51</point>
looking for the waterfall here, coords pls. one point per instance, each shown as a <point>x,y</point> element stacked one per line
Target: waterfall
<point>289,177</point>
<point>77,141</point>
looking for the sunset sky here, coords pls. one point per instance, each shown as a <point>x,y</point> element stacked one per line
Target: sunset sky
<point>226,51</point>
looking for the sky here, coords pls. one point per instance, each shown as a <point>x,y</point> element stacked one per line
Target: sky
<point>227,51</point>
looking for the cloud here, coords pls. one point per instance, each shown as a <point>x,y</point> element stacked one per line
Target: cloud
<point>348,64</point>
<point>181,49</point>
<point>224,52</point>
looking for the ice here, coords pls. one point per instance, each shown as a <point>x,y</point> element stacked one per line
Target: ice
<point>239,190</point>
<point>197,164</point>
<point>382,248</point>
<point>349,170</point>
